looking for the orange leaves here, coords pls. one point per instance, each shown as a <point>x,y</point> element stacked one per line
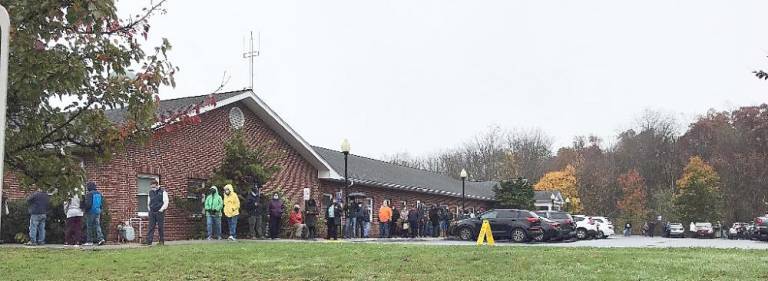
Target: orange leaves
<point>634,197</point>
<point>564,181</point>
<point>698,172</point>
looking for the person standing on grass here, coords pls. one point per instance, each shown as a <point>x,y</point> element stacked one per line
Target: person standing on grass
<point>73,231</point>
<point>38,203</point>
<point>251,208</point>
<point>93,203</point>
<point>310,218</point>
<point>385,220</point>
<point>332,217</point>
<point>213,205</point>
<point>275,214</point>
<point>158,203</point>
<point>231,210</point>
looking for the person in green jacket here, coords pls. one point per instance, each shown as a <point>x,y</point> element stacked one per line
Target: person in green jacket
<point>213,205</point>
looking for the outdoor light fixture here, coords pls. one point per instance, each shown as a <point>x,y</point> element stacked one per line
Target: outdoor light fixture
<point>345,151</point>
<point>567,202</point>
<point>463,176</point>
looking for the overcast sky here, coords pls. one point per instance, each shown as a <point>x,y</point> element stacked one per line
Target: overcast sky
<point>423,76</point>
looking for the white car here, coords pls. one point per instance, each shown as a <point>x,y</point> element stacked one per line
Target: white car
<point>586,228</point>
<point>604,227</point>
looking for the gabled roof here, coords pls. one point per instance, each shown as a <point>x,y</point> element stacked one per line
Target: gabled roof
<point>373,172</point>
<point>118,115</point>
<point>258,107</point>
<point>546,196</point>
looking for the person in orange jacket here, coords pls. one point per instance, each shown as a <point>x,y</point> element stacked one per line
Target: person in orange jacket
<point>385,216</point>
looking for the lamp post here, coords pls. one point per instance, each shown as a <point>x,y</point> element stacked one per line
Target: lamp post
<point>345,151</point>
<point>552,197</point>
<point>463,176</point>
<point>567,203</point>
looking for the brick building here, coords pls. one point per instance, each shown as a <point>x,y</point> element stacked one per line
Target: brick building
<point>186,157</point>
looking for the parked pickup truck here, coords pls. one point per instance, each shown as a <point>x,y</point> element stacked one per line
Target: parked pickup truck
<point>761,227</point>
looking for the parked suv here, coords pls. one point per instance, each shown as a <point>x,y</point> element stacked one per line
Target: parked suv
<point>604,227</point>
<point>586,228</point>
<point>567,224</point>
<point>674,230</point>
<point>518,225</point>
<point>761,228</point>
<point>704,230</point>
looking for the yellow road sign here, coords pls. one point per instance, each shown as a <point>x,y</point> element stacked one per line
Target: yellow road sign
<point>485,234</point>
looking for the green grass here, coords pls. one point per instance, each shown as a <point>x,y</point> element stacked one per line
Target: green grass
<point>350,261</point>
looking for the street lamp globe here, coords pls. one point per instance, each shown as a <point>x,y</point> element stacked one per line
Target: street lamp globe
<point>345,146</point>
<point>552,196</point>
<point>463,174</point>
<point>568,200</point>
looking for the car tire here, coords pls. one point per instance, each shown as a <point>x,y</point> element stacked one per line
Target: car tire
<point>601,235</point>
<point>518,235</point>
<point>465,233</point>
<point>581,234</point>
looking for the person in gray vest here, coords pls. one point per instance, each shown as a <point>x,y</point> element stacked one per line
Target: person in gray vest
<point>158,202</point>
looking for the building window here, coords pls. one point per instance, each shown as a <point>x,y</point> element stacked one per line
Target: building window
<point>370,209</point>
<point>196,195</point>
<point>236,118</point>
<point>195,188</point>
<point>143,183</point>
<point>327,200</point>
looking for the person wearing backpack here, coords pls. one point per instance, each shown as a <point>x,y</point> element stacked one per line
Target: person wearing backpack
<point>158,203</point>
<point>92,208</point>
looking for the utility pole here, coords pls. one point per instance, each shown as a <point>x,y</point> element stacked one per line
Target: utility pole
<point>251,53</point>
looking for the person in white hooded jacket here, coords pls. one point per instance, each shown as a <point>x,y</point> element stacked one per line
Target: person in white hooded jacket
<point>73,232</point>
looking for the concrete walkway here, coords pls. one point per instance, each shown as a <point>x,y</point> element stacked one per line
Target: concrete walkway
<point>613,242</point>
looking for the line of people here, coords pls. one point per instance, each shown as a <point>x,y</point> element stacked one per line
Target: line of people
<point>416,222</point>
<point>80,204</point>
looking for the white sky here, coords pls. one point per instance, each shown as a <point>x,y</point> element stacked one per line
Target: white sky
<point>423,76</point>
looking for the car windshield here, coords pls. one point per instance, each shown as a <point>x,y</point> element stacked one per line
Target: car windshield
<point>598,220</point>
<point>560,216</point>
<point>578,218</point>
<point>704,225</point>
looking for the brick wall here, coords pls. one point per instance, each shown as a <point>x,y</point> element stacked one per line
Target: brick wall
<point>191,152</point>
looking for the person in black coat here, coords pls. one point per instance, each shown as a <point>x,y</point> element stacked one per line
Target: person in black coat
<point>252,210</point>
<point>310,218</point>
<point>332,218</point>
<point>413,221</point>
<point>434,220</point>
<point>393,223</point>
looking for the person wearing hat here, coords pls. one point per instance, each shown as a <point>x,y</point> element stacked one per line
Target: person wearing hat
<point>231,210</point>
<point>213,205</point>
<point>296,221</point>
<point>158,203</point>
<point>253,209</point>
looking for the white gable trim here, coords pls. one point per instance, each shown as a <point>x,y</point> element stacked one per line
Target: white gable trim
<point>261,109</point>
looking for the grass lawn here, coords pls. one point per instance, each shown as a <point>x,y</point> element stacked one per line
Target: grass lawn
<point>351,261</point>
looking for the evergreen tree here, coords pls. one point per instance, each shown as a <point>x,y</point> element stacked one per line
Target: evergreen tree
<point>243,165</point>
<point>515,193</point>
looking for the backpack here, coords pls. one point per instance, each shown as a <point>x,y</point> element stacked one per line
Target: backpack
<point>96,203</point>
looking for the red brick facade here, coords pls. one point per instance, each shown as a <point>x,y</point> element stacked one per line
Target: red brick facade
<point>192,152</point>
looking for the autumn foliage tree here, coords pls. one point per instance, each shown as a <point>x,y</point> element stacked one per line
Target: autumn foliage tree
<point>633,201</point>
<point>70,62</point>
<point>564,181</point>
<point>698,197</point>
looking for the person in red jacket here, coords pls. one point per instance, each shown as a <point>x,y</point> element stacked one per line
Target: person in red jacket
<point>296,222</point>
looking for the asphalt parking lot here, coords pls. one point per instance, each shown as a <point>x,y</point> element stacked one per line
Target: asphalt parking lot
<point>612,242</point>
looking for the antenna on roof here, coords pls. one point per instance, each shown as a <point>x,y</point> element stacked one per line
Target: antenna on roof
<point>251,53</point>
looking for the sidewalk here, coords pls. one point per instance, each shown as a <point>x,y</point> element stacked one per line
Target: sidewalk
<point>113,246</point>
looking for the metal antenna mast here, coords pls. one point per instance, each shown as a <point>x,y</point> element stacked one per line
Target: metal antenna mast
<point>251,53</point>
